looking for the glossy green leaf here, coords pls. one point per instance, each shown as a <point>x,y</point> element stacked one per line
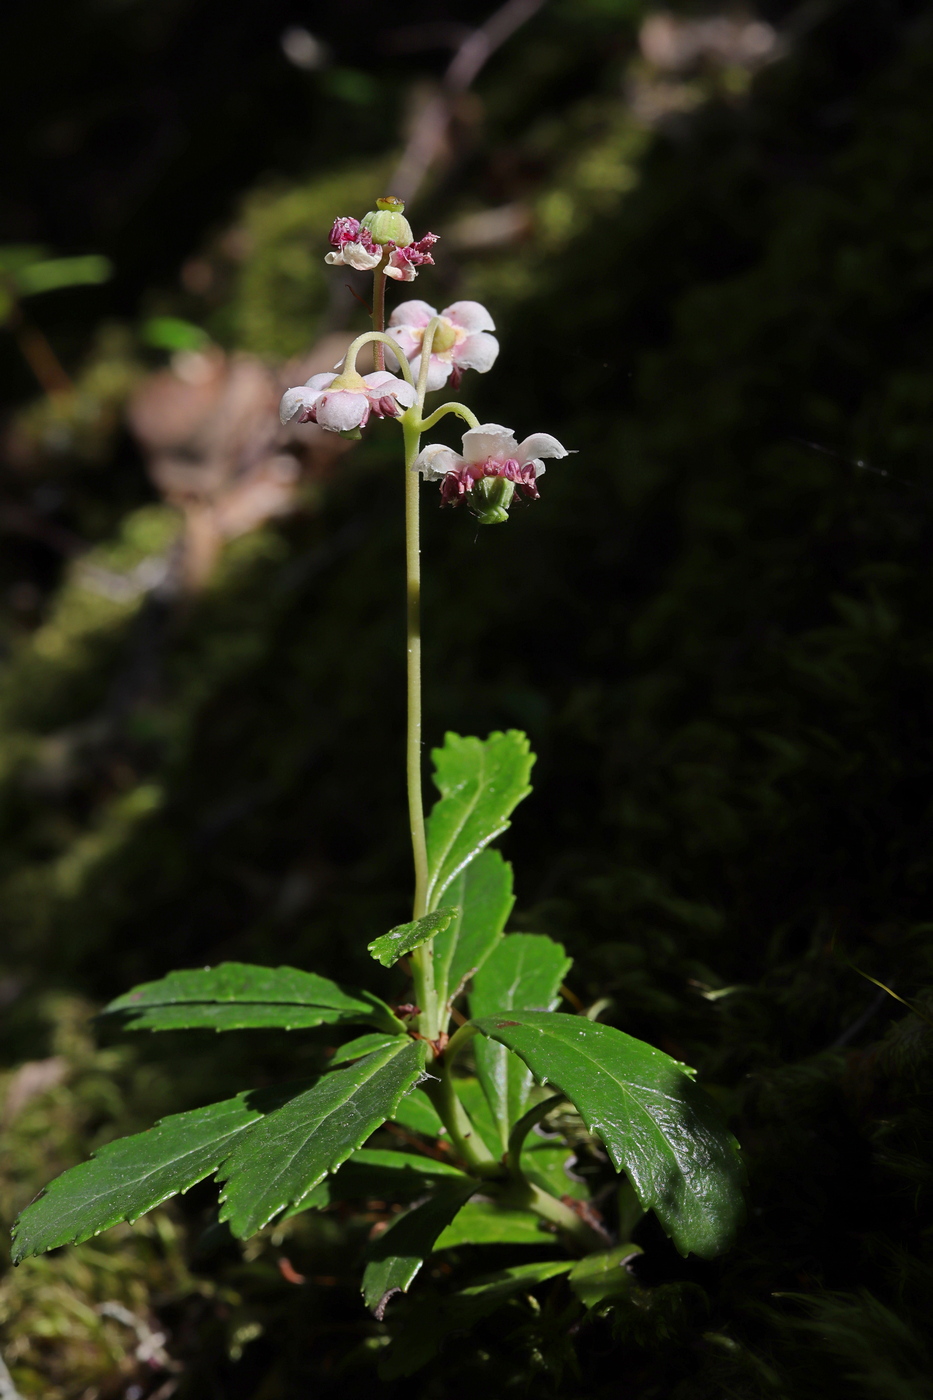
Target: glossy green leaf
<point>132,1175</point>
<point>656,1123</point>
<point>405,938</point>
<point>398,1253</point>
<point>486,1222</point>
<point>481,781</point>
<point>362,1045</point>
<point>379,1173</point>
<point>604,1275</point>
<point>297,1145</point>
<point>523,972</point>
<point>234,996</point>
<point>417,1113</point>
<point>423,1333</point>
<point>483,895</point>
<point>470,1093</point>
<point>544,1161</point>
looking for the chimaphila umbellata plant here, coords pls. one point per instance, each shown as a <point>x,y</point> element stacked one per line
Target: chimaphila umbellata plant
<point>487,1153</point>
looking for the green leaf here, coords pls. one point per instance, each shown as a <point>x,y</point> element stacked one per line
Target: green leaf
<point>486,1222</point>
<point>523,972</point>
<point>362,1045</point>
<point>417,1113</point>
<point>297,1145</point>
<point>52,273</point>
<point>234,996</point>
<point>656,1123</point>
<point>382,1174</point>
<point>132,1175</point>
<point>422,1334</point>
<point>602,1276</point>
<point>483,894</point>
<point>398,1253</point>
<point>470,1093</point>
<point>481,781</point>
<point>544,1162</point>
<point>405,938</point>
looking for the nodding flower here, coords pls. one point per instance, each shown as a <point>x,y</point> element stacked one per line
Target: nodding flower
<point>492,467</point>
<point>363,244</point>
<point>461,341</point>
<point>343,402</point>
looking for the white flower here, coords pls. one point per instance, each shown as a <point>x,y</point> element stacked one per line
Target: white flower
<point>489,451</point>
<point>357,248</point>
<point>461,341</point>
<point>344,402</point>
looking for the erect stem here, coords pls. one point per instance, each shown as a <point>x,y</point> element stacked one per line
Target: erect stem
<point>379,309</point>
<point>453,1115</point>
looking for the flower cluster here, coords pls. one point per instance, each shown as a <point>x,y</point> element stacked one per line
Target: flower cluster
<point>363,244</point>
<point>461,341</point>
<point>492,467</point>
<point>343,402</point>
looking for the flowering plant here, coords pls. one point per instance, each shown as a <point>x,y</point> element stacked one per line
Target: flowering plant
<point>492,1148</point>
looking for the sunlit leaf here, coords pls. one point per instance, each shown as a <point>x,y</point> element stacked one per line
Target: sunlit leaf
<point>405,938</point>
<point>297,1145</point>
<point>656,1123</point>
<point>525,970</point>
<point>604,1275</point>
<point>417,1113</point>
<point>234,996</point>
<point>481,781</point>
<point>362,1045</point>
<point>485,1222</point>
<point>382,1174</point>
<point>483,894</point>
<point>132,1175</point>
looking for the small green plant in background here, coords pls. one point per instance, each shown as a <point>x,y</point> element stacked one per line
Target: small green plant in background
<point>481,1151</point>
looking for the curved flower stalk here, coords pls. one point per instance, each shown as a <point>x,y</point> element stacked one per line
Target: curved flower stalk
<point>343,402</point>
<point>461,339</point>
<point>492,467</point>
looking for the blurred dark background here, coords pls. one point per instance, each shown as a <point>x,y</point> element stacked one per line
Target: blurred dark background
<point>706,235</point>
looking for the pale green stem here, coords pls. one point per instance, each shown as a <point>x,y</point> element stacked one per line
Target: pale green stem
<point>349,364</point>
<point>427,342</point>
<point>521,1130</point>
<point>459,408</point>
<point>453,1115</point>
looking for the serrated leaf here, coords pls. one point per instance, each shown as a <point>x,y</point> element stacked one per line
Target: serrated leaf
<point>362,1045</point>
<point>380,1173</point>
<point>297,1145</point>
<point>486,1222</point>
<point>604,1275</point>
<point>481,781</point>
<point>132,1175</point>
<point>247,996</point>
<point>656,1123</point>
<point>405,938</point>
<point>398,1253</point>
<point>417,1113</point>
<point>422,1334</point>
<point>524,971</point>
<point>483,894</point>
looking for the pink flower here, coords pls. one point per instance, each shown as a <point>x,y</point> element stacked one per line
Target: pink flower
<point>490,452</point>
<point>344,402</point>
<point>357,248</point>
<point>461,341</point>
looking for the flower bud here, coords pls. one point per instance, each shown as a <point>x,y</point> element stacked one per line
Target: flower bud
<point>490,499</point>
<point>387,223</point>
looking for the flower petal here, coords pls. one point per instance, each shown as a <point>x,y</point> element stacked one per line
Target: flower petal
<point>436,460</point>
<point>319,382</point>
<point>438,371</point>
<point>355,255</point>
<point>471,316</point>
<point>342,410</point>
<point>381,382</point>
<point>293,401</point>
<point>540,445</point>
<point>408,337</point>
<point>412,313</point>
<point>477,352</point>
<point>489,440</point>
